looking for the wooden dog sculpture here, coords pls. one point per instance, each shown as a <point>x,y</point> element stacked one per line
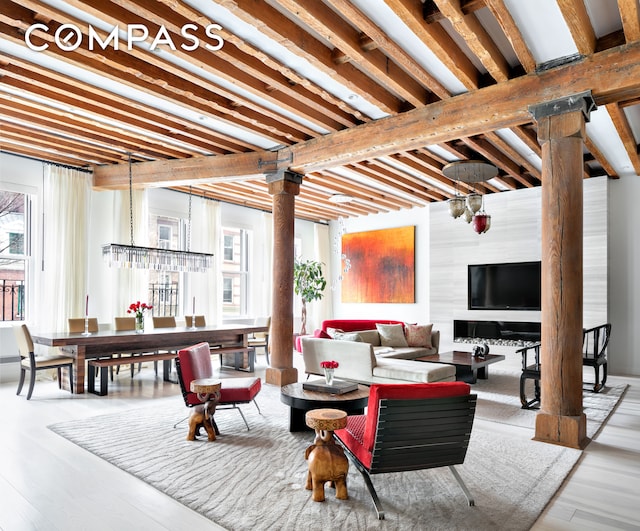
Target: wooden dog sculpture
<point>202,417</point>
<point>327,462</point>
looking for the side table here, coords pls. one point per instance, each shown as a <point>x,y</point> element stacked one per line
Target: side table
<point>208,390</point>
<point>327,461</point>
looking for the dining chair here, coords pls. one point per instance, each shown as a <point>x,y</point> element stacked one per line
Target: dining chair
<point>164,322</point>
<point>126,324</point>
<point>261,339</point>
<point>32,363</point>
<point>200,320</point>
<point>76,325</point>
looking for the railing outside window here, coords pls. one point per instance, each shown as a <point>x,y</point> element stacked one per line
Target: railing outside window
<point>12,308</point>
<point>164,299</point>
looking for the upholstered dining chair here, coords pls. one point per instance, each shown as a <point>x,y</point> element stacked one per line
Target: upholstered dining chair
<point>127,324</point>
<point>261,339</point>
<point>76,325</point>
<point>194,363</point>
<point>164,322</point>
<point>410,427</point>
<point>200,320</point>
<point>32,363</point>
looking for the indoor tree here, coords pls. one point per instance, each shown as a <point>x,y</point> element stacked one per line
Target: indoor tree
<point>309,283</point>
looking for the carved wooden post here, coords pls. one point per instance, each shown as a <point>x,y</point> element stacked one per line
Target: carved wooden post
<point>284,187</point>
<point>560,132</point>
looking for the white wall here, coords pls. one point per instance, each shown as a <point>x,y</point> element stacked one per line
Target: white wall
<point>445,246</point>
<point>418,312</point>
<point>624,276</point>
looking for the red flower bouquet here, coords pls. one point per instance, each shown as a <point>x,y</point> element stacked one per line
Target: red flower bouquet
<point>329,364</point>
<point>138,308</point>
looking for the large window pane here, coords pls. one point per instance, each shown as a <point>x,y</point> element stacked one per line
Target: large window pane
<point>13,256</point>
<point>235,273</point>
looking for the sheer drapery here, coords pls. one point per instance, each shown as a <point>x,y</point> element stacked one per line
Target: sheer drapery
<point>322,309</point>
<point>66,207</point>
<point>130,285</point>
<point>265,269</point>
<point>205,238</point>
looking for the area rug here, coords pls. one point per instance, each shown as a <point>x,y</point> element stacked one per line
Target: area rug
<point>499,401</point>
<point>255,479</point>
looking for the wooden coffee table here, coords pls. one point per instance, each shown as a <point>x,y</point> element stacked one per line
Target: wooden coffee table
<point>300,401</point>
<point>468,367</point>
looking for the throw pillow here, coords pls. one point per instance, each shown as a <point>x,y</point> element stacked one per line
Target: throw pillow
<point>347,336</point>
<point>370,336</point>
<point>332,332</point>
<point>391,335</point>
<point>418,335</point>
<point>321,334</point>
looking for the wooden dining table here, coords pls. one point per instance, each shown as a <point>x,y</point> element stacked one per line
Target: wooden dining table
<point>106,343</point>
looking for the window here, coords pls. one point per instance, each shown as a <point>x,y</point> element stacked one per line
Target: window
<point>165,287</point>
<point>227,290</point>
<point>235,273</point>
<point>164,237</point>
<point>228,247</point>
<point>14,258</point>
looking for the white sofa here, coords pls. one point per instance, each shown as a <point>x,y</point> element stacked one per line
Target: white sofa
<point>358,362</point>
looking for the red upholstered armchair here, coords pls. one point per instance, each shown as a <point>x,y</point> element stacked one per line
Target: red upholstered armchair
<point>194,363</point>
<point>410,427</point>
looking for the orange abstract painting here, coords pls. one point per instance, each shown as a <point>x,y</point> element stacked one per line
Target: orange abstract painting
<point>382,266</point>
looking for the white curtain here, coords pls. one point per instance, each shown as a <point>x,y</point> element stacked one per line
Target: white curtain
<point>66,207</point>
<point>263,307</point>
<point>130,285</point>
<point>205,238</point>
<point>322,309</point>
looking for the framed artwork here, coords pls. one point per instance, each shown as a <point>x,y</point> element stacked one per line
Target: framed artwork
<point>382,266</point>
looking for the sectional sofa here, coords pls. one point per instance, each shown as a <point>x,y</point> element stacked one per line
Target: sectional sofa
<point>375,351</point>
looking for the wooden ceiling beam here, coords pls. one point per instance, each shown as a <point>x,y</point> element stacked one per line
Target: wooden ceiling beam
<point>621,124</point>
<point>378,39</point>
<point>630,15</point>
<point>237,62</point>
<point>346,38</point>
<point>577,19</point>
<point>273,24</point>
<point>512,32</point>
<point>609,75</point>
<point>146,75</point>
<point>437,40</point>
<point>477,38</point>
<point>57,124</point>
<point>600,158</point>
<point>518,160</point>
<point>405,176</point>
<point>342,185</point>
<point>31,78</point>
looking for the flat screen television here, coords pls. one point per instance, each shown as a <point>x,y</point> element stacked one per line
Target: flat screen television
<point>508,286</point>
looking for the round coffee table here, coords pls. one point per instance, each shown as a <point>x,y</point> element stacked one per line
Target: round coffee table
<point>300,401</point>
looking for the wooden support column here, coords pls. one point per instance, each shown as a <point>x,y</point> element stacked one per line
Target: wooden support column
<point>284,187</point>
<point>561,126</point>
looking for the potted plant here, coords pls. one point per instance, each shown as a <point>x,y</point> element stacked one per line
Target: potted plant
<point>309,283</point>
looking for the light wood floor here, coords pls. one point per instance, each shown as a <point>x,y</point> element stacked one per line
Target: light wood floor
<point>48,483</point>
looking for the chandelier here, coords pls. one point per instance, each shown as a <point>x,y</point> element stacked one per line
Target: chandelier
<point>136,257</point>
<point>471,207</point>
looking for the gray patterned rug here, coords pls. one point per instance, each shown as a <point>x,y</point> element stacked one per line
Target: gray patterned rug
<point>499,401</point>
<point>255,479</point>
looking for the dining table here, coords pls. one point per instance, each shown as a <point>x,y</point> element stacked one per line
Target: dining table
<point>105,343</point>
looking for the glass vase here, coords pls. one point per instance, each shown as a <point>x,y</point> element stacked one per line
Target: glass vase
<point>328,376</point>
<point>139,324</point>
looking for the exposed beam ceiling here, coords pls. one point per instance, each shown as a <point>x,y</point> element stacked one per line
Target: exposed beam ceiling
<point>366,98</point>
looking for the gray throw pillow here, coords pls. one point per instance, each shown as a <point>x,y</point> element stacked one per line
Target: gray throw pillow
<point>391,335</point>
